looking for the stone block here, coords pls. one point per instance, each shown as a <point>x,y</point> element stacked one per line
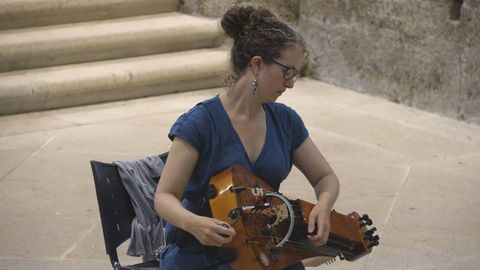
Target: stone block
<point>287,10</point>
<point>104,40</point>
<point>10,159</point>
<point>396,138</point>
<point>87,83</point>
<point>92,246</point>
<point>109,139</point>
<point>46,240</point>
<point>413,19</point>
<point>470,22</point>
<point>28,13</point>
<point>71,164</point>
<point>18,263</point>
<point>448,127</point>
<point>428,228</point>
<point>338,12</point>
<point>48,199</point>
<point>464,164</point>
<point>26,141</point>
<point>409,52</point>
<point>29,123</point>
<point>469,94</point>
<point>384,63</point>
<point>339,149</point>
<point>159,105</point>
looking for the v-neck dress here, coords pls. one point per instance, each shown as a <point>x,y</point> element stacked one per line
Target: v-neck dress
<point>207,127</point>
<point>209,130</point>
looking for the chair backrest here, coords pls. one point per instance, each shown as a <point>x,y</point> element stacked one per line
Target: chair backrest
<point>116,209</point>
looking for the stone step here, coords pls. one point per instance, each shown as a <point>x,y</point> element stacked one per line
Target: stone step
<point>108,39</point>
<point>88,83</point>
<point>30,13</point>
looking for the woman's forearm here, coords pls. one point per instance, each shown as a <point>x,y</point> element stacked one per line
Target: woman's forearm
<point>208,231</point>
<point>327,189</point>
<point>169,208</point>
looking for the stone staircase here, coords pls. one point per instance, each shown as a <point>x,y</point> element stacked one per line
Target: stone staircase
<point>57,53</point>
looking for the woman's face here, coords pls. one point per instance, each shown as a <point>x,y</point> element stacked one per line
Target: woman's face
<point>276,77</point>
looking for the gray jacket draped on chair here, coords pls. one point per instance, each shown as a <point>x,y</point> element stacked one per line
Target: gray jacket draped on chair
<point>138,178</point>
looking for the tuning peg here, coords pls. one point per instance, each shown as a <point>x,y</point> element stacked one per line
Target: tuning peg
<point>234,213</point>
<point>365,221</point>
<point>373,244</point>
<point>373,240</point>
<point>371,231</point>
<point>211,192</point>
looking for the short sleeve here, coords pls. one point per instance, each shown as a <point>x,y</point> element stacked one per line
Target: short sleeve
<point>300,132</point>
<point>191,127</point>
<point>292,124</point>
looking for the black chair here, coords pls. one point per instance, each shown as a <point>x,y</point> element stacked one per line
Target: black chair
<point>116,212</point>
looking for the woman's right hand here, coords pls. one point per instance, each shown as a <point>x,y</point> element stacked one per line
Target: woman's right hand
<point>210,231</point>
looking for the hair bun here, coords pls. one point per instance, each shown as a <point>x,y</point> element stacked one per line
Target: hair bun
<point>239,19</point>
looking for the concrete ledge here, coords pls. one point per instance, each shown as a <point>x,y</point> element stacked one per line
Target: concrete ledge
<point>28,13</point>
<point>109,39</point>
<point>47,88</point>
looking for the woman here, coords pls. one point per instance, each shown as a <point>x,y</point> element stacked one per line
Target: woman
<point>241,126</point>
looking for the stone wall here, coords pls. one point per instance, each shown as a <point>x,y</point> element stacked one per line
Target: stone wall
<point>424,54</point>
<point>286,9</point>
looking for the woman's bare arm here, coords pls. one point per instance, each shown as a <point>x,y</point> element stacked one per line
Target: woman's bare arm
<point>179,167</point>
<point>316,169</point>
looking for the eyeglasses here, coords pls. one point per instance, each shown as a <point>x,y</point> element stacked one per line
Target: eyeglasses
<point>288,72</point>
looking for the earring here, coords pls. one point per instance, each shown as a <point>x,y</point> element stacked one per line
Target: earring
<point>254,86</point>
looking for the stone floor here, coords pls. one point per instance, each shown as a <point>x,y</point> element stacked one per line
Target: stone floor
<point>415,173</point>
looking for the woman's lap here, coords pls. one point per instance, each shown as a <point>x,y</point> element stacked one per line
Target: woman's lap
<point>174,258</point>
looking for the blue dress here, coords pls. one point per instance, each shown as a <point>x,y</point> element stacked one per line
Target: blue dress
<point>209,130</point>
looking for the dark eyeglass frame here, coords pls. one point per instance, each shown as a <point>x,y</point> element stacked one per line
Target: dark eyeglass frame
<point>296,73</point>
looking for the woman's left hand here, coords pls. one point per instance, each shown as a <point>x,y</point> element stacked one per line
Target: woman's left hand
<point>319,225</point>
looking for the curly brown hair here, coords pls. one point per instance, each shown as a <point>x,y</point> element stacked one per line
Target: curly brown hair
<point>257,31</point>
